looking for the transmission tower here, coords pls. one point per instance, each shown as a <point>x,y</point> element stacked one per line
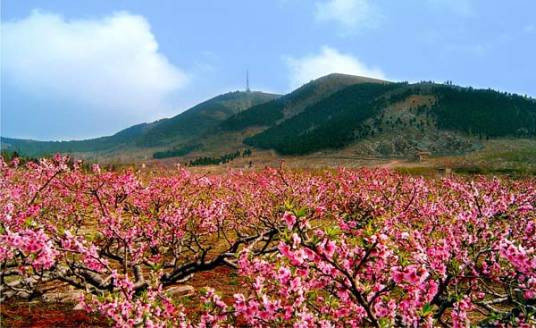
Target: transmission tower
<point>247,81</point>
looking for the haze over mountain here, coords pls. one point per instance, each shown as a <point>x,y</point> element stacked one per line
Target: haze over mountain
<point>372,116</point>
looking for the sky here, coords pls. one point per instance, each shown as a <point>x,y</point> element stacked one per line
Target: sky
<point>81,69</point>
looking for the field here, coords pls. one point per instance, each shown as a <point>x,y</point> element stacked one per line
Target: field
<point>267,247</point>
<point>502,156</point>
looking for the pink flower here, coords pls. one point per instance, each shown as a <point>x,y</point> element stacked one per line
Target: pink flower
<point>296,240</point>
<point>283,275</point>
<point>329,248</point>
<point>290,219</point>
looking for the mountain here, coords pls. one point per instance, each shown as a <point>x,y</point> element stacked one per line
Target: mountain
<point>180,128</point>
<point>412,114</point>
<point>30,147</point>
<point>357,115</point>
<point>402,113</point>
<point>228,136</point>
<point>328,123</point>
<point>272,112</point>
<point>374,118</point>
<point>200,118</point>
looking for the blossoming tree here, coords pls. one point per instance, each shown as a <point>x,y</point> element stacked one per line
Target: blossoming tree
<point>346,248</point>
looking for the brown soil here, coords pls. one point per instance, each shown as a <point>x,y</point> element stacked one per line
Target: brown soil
<point>33,314</point>
<point>20,314</point>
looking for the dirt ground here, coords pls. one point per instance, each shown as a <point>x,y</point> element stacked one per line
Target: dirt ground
<point>38,315</point>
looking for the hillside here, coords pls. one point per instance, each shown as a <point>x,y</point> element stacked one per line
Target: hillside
<point>457,118</point>
<point>200,118</point>
<point>230,134</point>
<point>30,147</point>
<point>376,120</point>
<point>329,123</point>
<point>180,128</point>
<point>336,114</point>
<point>289,105</point>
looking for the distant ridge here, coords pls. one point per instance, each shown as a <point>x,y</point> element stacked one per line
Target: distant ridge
<point>401,119</point>
<point>198,119</point>
<point>182,127</point>
<point>376,118</point>
<point>372,117</point>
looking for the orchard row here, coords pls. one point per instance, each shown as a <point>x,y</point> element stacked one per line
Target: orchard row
<point>344,248</point>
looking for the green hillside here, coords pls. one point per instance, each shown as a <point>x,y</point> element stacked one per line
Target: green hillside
<point>37,148</point>
<point>185,126</point>
<point>330,123</point>
<point>371,117</point>
<point>200,118</point>
<point>485,112</point>
<point>270,113</point>
<point>357,112</point>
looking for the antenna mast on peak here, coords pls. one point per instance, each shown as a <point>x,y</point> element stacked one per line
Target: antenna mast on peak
<point>247,81</point>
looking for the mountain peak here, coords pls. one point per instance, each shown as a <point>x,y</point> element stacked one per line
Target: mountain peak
<point>356,78</point>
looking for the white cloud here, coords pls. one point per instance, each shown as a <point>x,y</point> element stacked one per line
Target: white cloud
<point>329,60</point>
<point>107,64</point>
<point>350,14</point>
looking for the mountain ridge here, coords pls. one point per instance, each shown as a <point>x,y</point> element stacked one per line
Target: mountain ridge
<point>144,134</point>
<point>374,117</point>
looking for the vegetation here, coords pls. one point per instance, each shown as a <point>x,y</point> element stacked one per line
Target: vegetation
<point>185,126</point>
<point>329,123</point>
<point>511,156</point>
<point>485,113</point>
<point>8,156</point>
<point>270,113</point>
<point>346,248</point>
<point>184,150</point>
<point>337,121</point>
<point>206,160</point>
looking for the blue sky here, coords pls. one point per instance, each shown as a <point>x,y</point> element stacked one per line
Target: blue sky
<point>78,69</point>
